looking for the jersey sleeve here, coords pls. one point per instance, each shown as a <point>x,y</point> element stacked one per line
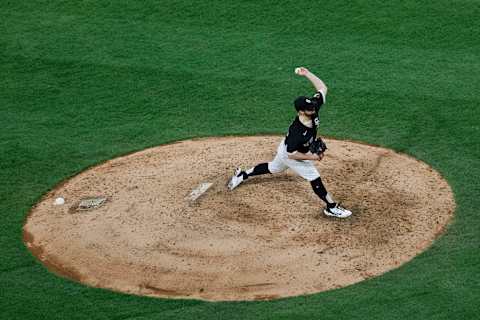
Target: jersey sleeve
<point>319,97</point>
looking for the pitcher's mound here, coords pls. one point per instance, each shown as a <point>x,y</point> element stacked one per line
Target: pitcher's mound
<point>168,226</point>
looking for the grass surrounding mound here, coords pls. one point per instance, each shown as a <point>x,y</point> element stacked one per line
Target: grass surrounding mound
<point>86,81</point>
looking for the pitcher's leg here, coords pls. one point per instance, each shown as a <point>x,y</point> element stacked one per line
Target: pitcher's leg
<point>308,171</point>
<point>332,209</point>
<point>321,192</point>
<point>259,169</point>
<point>264,168</point>
<point>274,166</point>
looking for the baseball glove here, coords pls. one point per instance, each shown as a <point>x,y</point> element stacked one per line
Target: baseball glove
<point>318,146</point>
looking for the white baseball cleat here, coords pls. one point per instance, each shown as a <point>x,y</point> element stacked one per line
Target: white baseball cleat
<point>236,179</point>
<point>337,211</point>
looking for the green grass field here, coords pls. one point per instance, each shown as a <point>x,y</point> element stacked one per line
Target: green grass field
<point>86,81</point>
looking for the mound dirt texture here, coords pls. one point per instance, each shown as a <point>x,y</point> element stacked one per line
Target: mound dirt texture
<point>266,239</point>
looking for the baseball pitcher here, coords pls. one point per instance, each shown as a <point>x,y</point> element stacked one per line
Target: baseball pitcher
<point>300,148</point>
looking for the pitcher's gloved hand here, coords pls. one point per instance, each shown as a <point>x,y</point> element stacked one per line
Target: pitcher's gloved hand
<point>318,146</point>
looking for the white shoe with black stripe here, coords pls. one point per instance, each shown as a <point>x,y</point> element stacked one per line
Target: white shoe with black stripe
<point>337,211</point>
<point>236,179</point>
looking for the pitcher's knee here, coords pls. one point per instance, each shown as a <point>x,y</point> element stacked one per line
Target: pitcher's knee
<point>312,176</point>
<point>273,168</point>
<point>308,173</point>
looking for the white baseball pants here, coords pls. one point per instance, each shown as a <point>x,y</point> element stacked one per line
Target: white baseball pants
<point>304,168</point>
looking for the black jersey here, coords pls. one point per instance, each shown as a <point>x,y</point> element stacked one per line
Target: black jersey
<point>299,136</point>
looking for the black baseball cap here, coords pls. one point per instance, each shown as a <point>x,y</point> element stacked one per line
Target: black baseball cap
<point>304,103</point>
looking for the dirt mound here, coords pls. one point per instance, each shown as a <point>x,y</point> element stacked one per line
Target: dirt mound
<point>264,240</point>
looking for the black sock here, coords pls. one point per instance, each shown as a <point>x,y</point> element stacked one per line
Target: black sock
<point>259,169</point>
<point>321,192</point>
